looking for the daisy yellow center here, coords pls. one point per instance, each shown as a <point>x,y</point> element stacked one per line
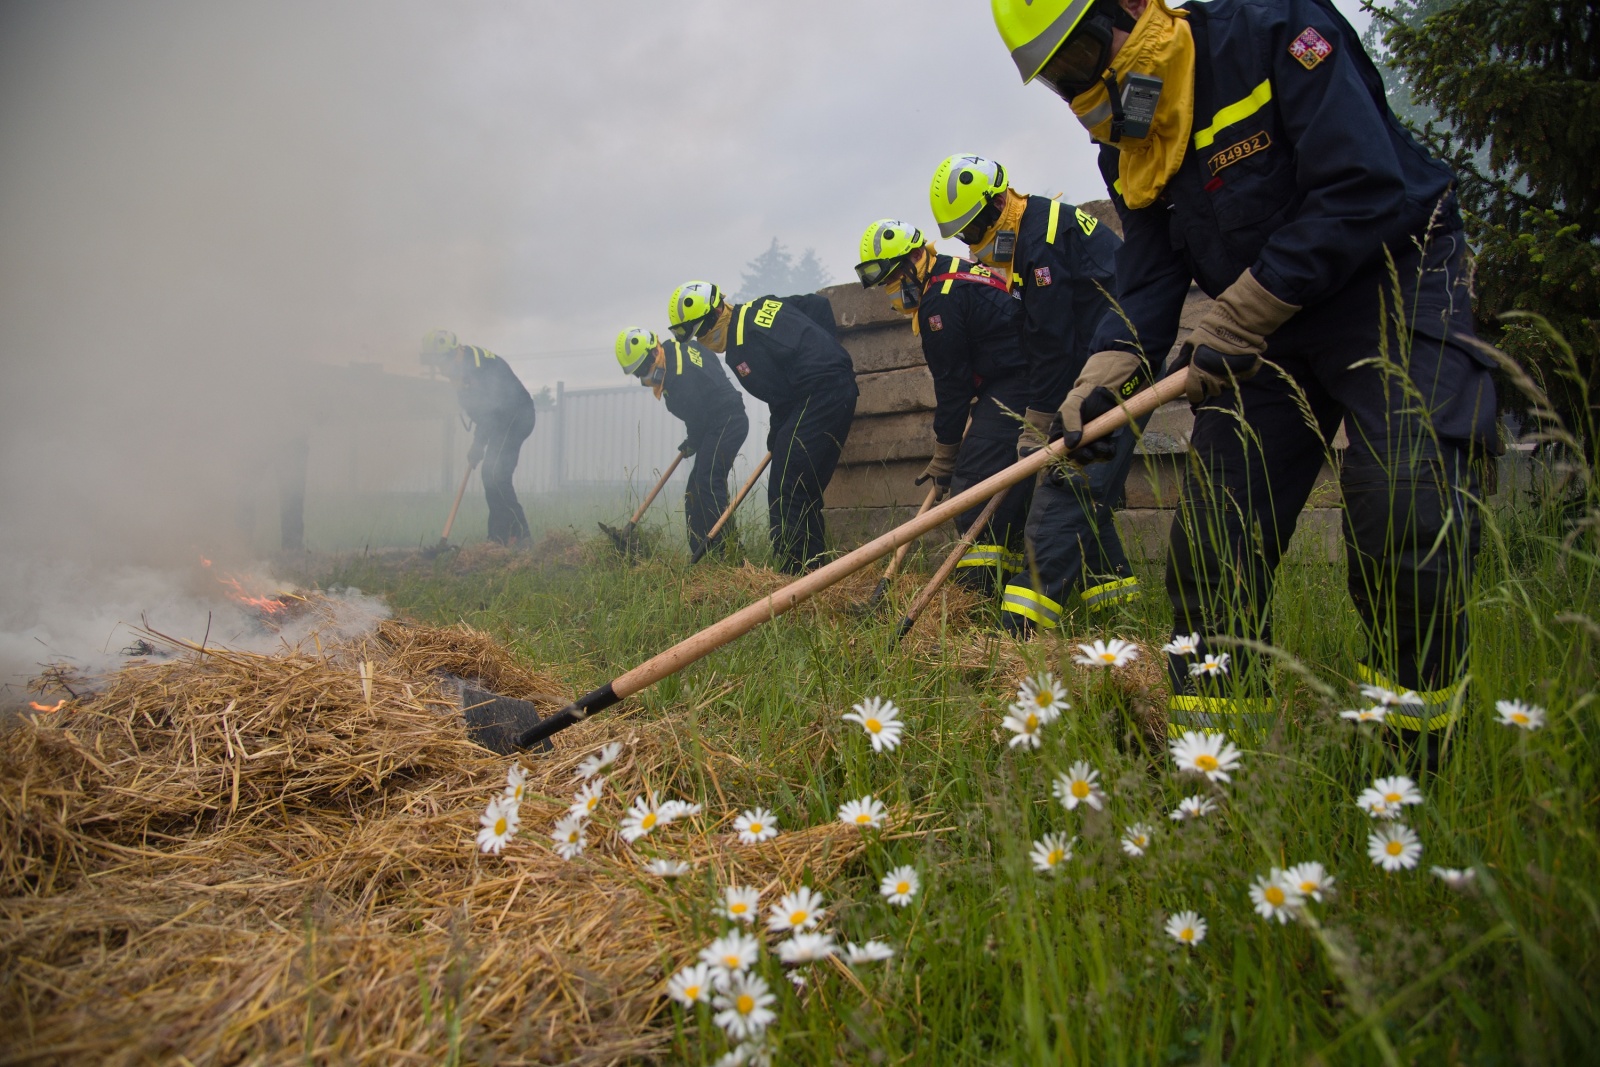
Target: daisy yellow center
<point>572,836</point>
<point>1109,657</point>
<point>1080,789</point>
<point>1186,934</point>
<point>692,992</point>
<point>588,805</point>
<point>1206,761</point>
<point>874,726</point>
<point>902,887</point>
<point>1308,887</point>
<point>746,1004</point>
<point>1140,840</point>
<point>798,918</point>
<point>863,819</point>
<point>731,961</point>
<point>1274,896</point>
<point>738,907</point>
<point>1394,848</point>
<point>648,821</point>
<point>755,828</point>
<point>1055,857</point>
<point>1520,718</point>
<point>1393,798</point>
<point>1045,699</point>
<point>517,792</point>
<point>1031,722</point>
<point>500,826</point>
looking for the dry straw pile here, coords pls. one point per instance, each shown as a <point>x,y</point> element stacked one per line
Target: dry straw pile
<point>228,858</point>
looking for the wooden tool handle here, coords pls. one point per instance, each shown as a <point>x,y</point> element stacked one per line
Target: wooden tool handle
<point>450,523</point>
<point>950,561</point>
<point>744,491</point>
<point>900,553</point>
<point>650,497</point>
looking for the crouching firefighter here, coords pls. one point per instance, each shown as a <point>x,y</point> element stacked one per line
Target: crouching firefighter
<point>501,413</point>
<point>1249,147</point>
<point>1060,261</point>
<point>966,317</point>
<point>785,355</point>
<point>696,391</point>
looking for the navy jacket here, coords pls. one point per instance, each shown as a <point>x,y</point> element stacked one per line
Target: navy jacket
<point>697,389</point>
<point>489,392</point>
<point>1063,260</point>
<point>781,355</point>
<point>971,343</point>
<point>1296,170</point>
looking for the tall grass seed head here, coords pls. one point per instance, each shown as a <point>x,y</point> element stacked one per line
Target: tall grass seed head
<point>731,954</point>
<point>1186,928</point>
<point>1276,896</point>
<point>1113,653</point>
<point>1212,755</point>
<point>1395,847</point>
<point>802,909</point>
<point>1079,785</point>
<point>498,824</point>
<point>1312,879</point>
<point>866,814</point>
<point>880,719</point>
<point>641,818</point>
<point>900,885</point>
<point>741,903</point>
<point>1051,851</point>
<point>1182,645</point>
<point>691,985</point>
<point>755,826</point>
<point>744,1006</point>
<point>1516,713</point>
<point>599,761</point>
<point>1042,695</point>
<point>1136,839</point>
<point>569,837</point>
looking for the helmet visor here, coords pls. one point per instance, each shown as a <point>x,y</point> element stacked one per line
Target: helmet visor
<point>1081,59</point>
<point>688,331</point>
<point>877,271</point>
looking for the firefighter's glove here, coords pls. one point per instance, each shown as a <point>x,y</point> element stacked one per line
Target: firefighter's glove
<point>475,454</point>
<point>687,448</point>
<point>1035,431</point>
<point>1227,344</point>
<point>941,467</point>
<point>1109,378</point>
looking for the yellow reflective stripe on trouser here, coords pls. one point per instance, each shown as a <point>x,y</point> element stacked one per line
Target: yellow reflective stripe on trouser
<point>1020,600</point>
<point>1055,218</point>
<point>1435,702</point>
<point>1237,111</point>
<point>1015,561</point>
<point>983,556</point>
<point>1216,714</point>
<point>1100,597</point>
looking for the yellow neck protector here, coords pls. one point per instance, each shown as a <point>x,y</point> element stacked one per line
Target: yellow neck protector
<point>658,372</point>
<point>716,338</point>
<point>986,251</point>
<point>1161,45</point>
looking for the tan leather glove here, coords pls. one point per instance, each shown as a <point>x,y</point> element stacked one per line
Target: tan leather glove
<point>941,466</point>
<point>1107,378</point>
<point>1226,345</point>
<point>1035,431</point>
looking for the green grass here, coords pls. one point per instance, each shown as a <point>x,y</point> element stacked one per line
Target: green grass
<point>998,964</point>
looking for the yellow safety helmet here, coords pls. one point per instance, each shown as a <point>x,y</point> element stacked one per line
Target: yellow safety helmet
<point>962,187</point>
<point>689,310</point>
<point>1064,43</point>
<point>438,343</point>
<point>634,346</point>
<point>884,247</point>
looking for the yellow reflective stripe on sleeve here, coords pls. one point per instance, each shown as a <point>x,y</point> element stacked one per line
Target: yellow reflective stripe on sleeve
<point>1237,111</point>
<point>680,361</point>
<point>1432,699</point>
<point>738,337</point>
<point>1021,600</point>
<point>1055,221</point>
<point>1099,597</point>
<point>1216,714</point>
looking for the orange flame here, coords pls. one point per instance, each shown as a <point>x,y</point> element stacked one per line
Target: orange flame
<point>235,591</point>
<point>36,706</point>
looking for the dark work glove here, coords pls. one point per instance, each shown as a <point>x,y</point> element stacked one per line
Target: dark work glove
<point>475,454</point>
<point>1099,401</point>
<point>1212,373</point>
<point>687,448</point>
<point>1227,343</point>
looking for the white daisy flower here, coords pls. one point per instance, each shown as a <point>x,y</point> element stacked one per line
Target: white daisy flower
<point>1051,851</point>
<point>867,813</point>
<point>743,1007</point>
<point>731,953</point>
<point>796,979</point>
<point>1276,896</point>
<point>569,836</point>
<point>1371,801</point>
<point>900,885</point>
<point>870,952</point>
<point>1516,713</point>
<point>498,823</point>
<point>1312,880</point>
<point>1376,713</point>
<point>640,820</point>
<point>881,720</point>
<point>677,809</point>
<point>807,948</point>
<point>1113,653</point>
<point>1025,725</point>
<point>516,783</point>
<point>751,1053</point>
<point>1457,878</point>
<point>801,910</point>
<point>1187,928</point>
<point>585,800</point>
<point>1388,698</point>
<point>1042,695</point>
<point>1387,797</point>
<point>691,985</point>
<point>668,868</point>
<point>1080,785</point>
<point>593,765</point>
<point>1193,808</point>
<point>1211,665</point>
<point>740,903</point>
<point>1182,645</point>
<point>1212,755</point>
<point>755,826</point>
<point>1136,839</point>
<point>1395,847</point>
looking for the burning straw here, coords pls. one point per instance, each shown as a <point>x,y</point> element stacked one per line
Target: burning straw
<point>233,857</point>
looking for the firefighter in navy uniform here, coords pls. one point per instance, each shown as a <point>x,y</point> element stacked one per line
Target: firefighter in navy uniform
<point>1249,147</point>
<point>966,317</point>
<point>696,391</point>
<point>784,352</point>
<point>501,413</point>
<point>1061,261</point>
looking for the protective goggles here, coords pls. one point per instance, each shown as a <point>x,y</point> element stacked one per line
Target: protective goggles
<point>877,271</point>
<point>1076,66</point>
<point>688,331</point>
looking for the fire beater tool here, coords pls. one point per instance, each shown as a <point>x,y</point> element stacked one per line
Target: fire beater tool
<point>623,538</point>
<point>733,505</point>
<point>741,622</point>
<point>444,538</point>
<point>949,565</point>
